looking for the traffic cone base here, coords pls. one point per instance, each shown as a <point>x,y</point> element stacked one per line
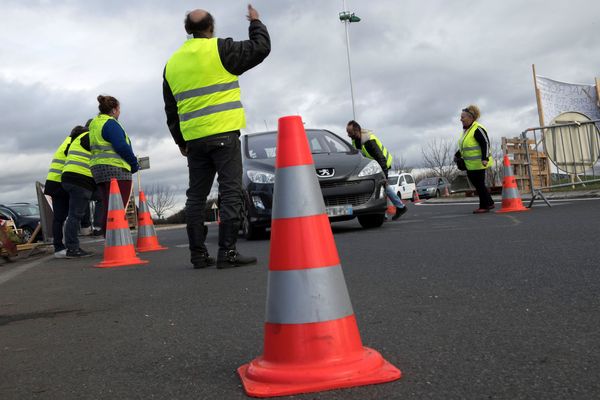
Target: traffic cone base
<point>117,256</point>
<point>511,199</point>
<point>311,339</point>
<point>262,378</point>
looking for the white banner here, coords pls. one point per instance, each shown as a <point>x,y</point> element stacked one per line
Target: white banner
<point>558,97</point>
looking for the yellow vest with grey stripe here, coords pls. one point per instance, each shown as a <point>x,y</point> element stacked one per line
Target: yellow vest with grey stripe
<point>102,150</point>
<point>58,162</point>
<point>208,96</point>
<point>471,151</point>
<point>366,135</point>
<point>78,158</point>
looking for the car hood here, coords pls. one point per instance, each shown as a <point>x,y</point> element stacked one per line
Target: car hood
<point>344,165</point>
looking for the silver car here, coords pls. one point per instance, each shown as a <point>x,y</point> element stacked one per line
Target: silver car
<point>433,187</point>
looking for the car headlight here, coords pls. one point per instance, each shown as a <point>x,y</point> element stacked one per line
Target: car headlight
<point>372,168</point>
<point>261,176</point>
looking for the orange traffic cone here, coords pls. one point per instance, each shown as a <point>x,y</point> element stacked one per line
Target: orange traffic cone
<point>511,199</point>
<point>146,239</point>
<point>391,209</point>
<point>118,247</point>
<point>311,338</point>
<point>416,197</point>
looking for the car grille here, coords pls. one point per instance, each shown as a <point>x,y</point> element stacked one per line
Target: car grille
<point>327,185</point>
<point>353,199</point>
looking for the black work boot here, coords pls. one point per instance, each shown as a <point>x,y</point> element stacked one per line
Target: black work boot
<point>199,253</point>
<point>399,212</point>
<point>228,256</point>
<point>232,259</point>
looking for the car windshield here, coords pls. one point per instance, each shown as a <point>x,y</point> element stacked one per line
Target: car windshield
<point>428,182</point>
<point>26,210</point>
<point>393,180</point>
<point>264,146</point>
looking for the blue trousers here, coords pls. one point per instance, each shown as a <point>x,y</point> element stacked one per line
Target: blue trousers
<point>396,201</point>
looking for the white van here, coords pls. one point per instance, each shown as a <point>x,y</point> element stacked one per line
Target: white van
<point>403,185</point>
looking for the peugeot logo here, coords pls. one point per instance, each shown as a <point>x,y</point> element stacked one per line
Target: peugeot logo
<point>325,172</point>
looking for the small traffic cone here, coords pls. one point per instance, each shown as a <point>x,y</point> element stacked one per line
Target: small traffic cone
<point>118,246</point>
<point>417,199</point>
<point>391,209</point>
<point>511,199</point>
<point>311,340</point>
<point>146,238</point>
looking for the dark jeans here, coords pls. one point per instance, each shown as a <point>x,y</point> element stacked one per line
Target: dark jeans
<point>215,154</point>
<point>79,199</point>
<point>60,209</point>
<point>477,178</point>
<point>104,190</point>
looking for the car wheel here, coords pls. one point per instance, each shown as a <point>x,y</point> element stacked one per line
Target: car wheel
<point>249,231</point>
<point>399,195</point>
<point>27,232</point>
<point>371,221</point>
<point>414,196</point>
<point>437,194</point>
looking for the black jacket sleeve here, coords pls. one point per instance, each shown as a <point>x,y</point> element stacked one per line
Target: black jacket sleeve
<point>171,112</point>
<point>482,138</point>
<point>375,152</point>
<point>239,57</point>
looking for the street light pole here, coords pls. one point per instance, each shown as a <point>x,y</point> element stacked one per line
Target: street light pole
<point>346,17</point>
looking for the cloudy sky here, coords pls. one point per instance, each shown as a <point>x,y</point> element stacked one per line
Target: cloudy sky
<point>415,64</point>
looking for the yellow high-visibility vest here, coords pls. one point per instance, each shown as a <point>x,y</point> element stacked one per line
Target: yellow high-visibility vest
<point>386,154</point>
<point>208,96</point>
<point>471,151</point>
<point>58,162</point>
<point>102,150</point>
<point>78,158</point>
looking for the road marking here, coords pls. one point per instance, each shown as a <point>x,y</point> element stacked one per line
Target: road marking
<point>8,275</point>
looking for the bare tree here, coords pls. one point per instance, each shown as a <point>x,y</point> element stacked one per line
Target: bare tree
<point>495,173</point>
<point>160,199</point>
<point>400,164</point>
<point>438,156</point>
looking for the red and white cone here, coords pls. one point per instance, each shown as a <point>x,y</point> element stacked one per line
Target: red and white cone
<point>311,339</point>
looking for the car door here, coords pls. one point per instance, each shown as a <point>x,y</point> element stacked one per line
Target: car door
<point>403,188</point>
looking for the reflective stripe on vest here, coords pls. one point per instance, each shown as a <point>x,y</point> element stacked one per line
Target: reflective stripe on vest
<point>208,96</point>
<point>102,150</point>
<point>386,154</point>
<point>470,149</point>
<point>58,162</point>
<point>78,158</point>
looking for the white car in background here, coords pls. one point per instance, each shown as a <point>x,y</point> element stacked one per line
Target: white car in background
<point>403,185</point>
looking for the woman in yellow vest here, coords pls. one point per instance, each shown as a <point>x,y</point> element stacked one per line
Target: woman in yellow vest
<point>112,154</point>
<point>60,198</point>
<point>78,182</point>
<point>474,149</point>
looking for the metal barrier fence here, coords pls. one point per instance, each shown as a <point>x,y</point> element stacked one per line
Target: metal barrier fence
<point>573,148</point>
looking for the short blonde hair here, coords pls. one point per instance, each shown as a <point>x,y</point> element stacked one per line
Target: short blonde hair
<point>473,110</point>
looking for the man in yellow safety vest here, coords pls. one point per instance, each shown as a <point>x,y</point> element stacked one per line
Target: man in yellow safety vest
<point>205,114</point>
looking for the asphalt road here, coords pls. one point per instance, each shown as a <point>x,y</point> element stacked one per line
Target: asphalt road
<point>467,306</point>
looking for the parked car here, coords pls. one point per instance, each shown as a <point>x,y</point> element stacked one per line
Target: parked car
<point>403,185</point>
<point>25,215</point>
<point>432,187</point>
<point>352,185</point>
